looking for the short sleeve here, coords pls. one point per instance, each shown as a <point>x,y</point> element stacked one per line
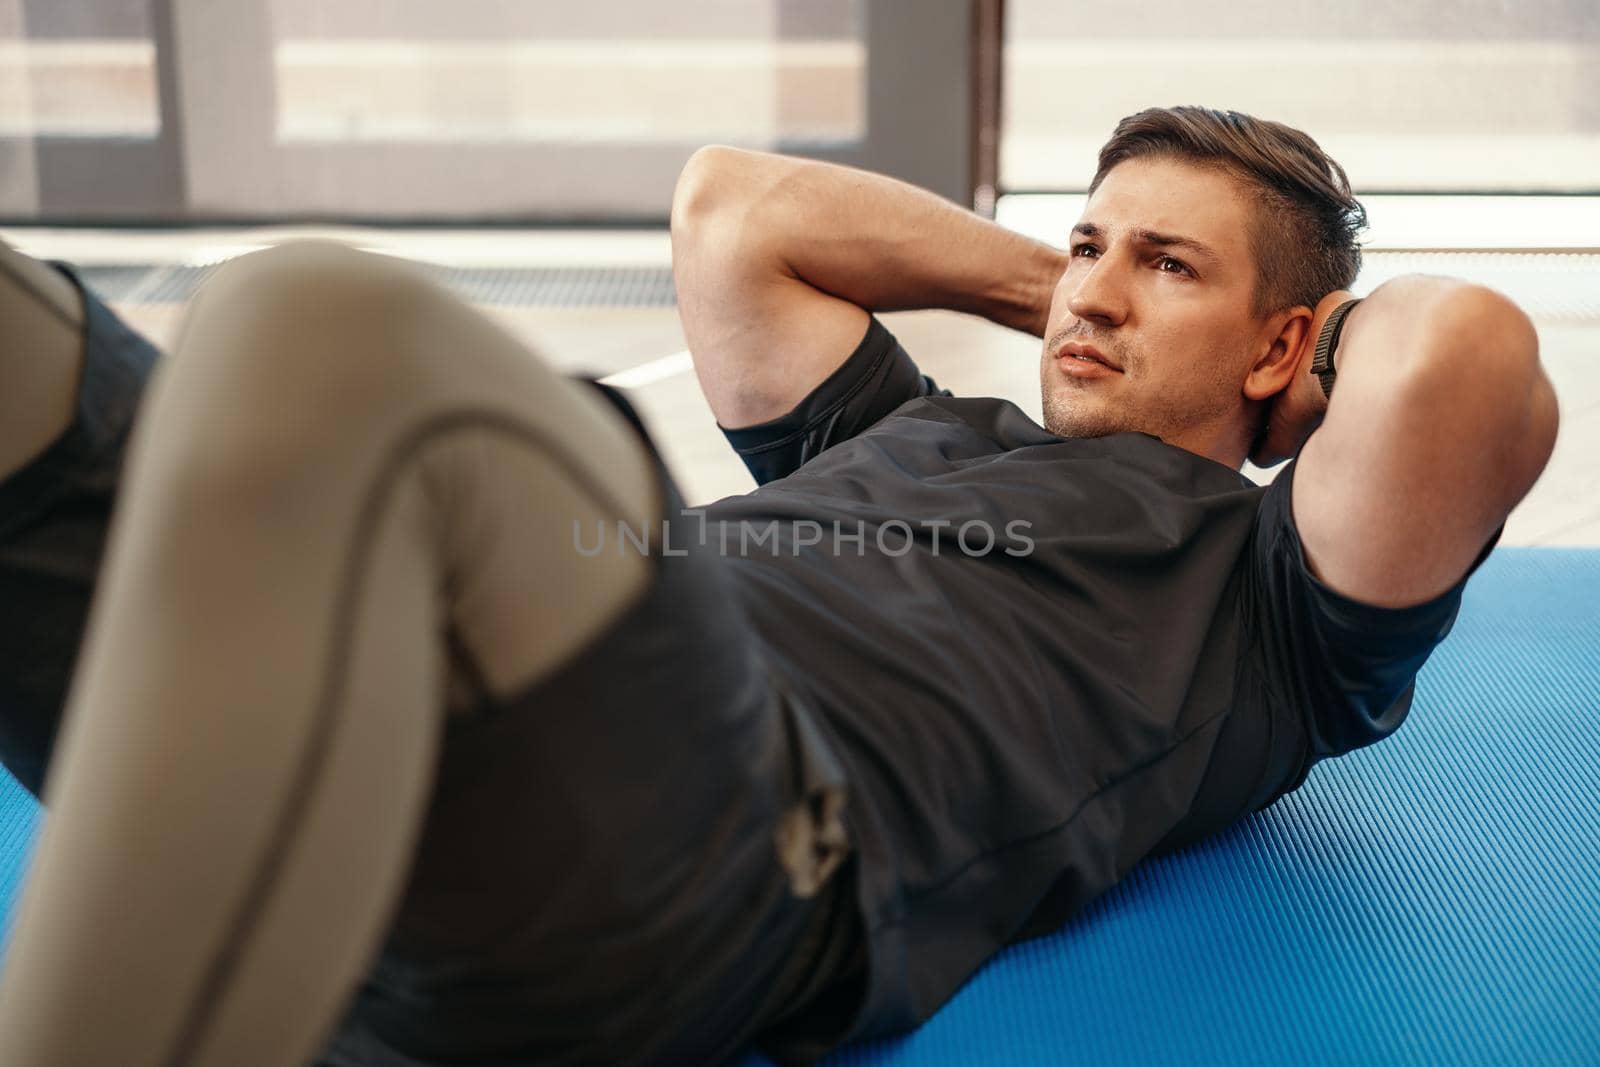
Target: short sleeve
<point>876,378</point>
<point>1349,668</point>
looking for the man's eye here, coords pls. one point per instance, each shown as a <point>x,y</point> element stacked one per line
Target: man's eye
<point>1181,266</point>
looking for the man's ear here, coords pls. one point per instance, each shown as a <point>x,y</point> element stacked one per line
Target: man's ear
<point>1287,341</point>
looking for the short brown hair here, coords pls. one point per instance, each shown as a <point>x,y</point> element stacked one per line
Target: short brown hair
<point>1306,218</point>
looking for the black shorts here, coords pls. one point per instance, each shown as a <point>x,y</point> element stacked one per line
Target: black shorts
<point>54,514</point>
<point>596,880</point>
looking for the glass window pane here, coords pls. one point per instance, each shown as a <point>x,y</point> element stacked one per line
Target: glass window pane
<point>628,71</point>
<point>1444,95</point>
<point>70,70</point>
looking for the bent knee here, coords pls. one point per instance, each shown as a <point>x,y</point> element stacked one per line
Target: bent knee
<point>303,350</point>
<point>310,317</point>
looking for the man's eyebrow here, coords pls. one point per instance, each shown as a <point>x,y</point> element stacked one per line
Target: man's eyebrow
<point>1151,237</point>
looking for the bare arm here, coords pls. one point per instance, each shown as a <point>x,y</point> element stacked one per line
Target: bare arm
<point>778,261</point>
<point>1440,422</point>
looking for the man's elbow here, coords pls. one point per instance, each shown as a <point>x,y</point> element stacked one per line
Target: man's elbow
<point>706,187</point>
<point>1534,445</point>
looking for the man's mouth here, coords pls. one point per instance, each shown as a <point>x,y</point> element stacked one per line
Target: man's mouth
<point>1080,352</point>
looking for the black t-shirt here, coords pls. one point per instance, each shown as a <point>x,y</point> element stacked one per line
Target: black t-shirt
<point>1139,658</point>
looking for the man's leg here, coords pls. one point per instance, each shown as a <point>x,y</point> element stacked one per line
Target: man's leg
<point>333,525</point>
<point>41,356</point>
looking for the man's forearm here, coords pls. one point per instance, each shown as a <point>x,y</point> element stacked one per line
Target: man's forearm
<point>1409,323</point>
<point>1435,335</point>
<point>874,241</point>
<point>1463,362</point>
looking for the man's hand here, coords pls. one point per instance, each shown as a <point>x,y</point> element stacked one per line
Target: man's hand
<point>1299,409</point>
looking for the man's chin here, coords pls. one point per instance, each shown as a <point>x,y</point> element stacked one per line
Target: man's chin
<point>1076,421</point>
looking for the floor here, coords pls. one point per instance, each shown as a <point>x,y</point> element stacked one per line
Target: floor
<point>632,335</point>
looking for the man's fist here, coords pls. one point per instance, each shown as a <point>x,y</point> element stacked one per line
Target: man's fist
<point>1299,408</point>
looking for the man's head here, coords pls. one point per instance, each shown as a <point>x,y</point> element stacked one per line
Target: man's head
<point>1207,240</point>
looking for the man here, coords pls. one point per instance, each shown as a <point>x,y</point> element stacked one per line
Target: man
<point>364,679</point>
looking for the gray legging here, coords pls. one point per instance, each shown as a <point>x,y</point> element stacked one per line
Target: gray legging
<point>336,460</point>
<point>40,356</point>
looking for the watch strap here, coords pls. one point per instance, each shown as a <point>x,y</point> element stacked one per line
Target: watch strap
<point>1328,343</point>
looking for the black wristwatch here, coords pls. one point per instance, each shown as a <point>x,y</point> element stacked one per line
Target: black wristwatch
<point>1328,343</point>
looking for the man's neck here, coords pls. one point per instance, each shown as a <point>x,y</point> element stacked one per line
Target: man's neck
<point>1226,442</point>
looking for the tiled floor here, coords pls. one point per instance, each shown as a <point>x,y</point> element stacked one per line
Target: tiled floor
<point>967,355</point>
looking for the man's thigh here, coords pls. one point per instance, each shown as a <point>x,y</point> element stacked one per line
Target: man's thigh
<point>599,875</point>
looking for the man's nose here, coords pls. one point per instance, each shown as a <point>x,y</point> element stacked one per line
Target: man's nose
<point>1099,294</point>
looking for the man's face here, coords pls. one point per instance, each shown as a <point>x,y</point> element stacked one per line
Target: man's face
<point>1174,319</point>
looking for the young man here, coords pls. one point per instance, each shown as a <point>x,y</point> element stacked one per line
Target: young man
<point>374,735</point>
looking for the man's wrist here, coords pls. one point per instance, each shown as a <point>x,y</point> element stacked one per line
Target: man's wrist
<point>1032,310</point>
<point>1057,266</point>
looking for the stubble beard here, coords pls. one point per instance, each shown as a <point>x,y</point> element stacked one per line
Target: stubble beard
<point>1068,413</point>
<point>1068,416</point>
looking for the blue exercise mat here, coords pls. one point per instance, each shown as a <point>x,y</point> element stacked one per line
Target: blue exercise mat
<point>19,818</point>
<point>1433,899</point>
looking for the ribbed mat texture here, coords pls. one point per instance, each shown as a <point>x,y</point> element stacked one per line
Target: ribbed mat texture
<point>1431,900</point>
